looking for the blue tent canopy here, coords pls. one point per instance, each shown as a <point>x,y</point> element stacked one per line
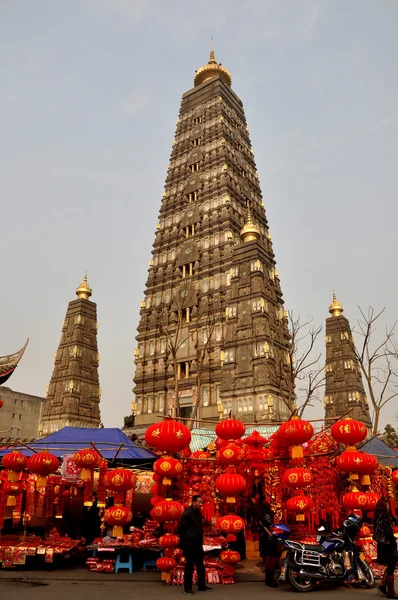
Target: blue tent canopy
<point>384,454</point>
<point>109,441</point>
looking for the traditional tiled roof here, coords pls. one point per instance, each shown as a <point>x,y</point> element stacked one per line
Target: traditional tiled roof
<point>9,363</point>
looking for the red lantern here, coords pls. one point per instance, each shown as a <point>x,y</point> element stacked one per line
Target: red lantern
<point>117,516</point>
<point>156,499</point>
<point>165,564</point>
<point>168,510</point>
<point>297,478</point>
<point>255,440</point>
<point>230,484</point>
<point>364,531</point>
<point>42,464</point>
<point>299,504</point>
<point>220,443</point>
<point>229,557</point>
<point>120,480</point>
<point>354,462</point>
<point>372,500</point>
<point>15,462</point>
<point>355,500</point>
<point>230,429</point>
<point>12,489</point>
<point>394,476</point>
<point>177,554</point>
<point>348,432</point>
<point>158,489</point>
<point>169,541</point>
<point>231,524</point>
<point>294,433</point>
<point>200,455</point>
<point>168,436</point>
<point>230,455</point>
<point>87,459</point>
<point>168,468</point>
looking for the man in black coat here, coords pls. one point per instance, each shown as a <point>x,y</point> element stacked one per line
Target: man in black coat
<point>191,542</point>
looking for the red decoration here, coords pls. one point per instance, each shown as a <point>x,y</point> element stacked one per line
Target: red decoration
<point>364,531</point>
<point>230,455</point>
<point>117,516</point>
<point>200,455</point>
<point>168,436</point>
<point>299,504</point>
<point>156,499</point>
<point>1,403</point>
<point>394,477</point>
<point>231,524</point>
<point>230,484</point>
<point>220,443</point>
<point>294,433</point>
<point>168,468</point>
<point>371,500</point>
<point>169,541</point>
<point>230,429</point>
<point>165,564</point>
<point>15,462</point>
<point>348,432</point>
<point>354,462</point>
<point>230,557</point>
<point>158,489</point>
<point>12,489</point>
<point>120,480</point>
<point>87,459</point>
<point>42,464</point>
<point>297,478</point>
<point>355,500</point>
<point>167,510</point>
<point>255,440</point>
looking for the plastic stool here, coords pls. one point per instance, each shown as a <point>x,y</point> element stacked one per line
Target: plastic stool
<point>124,564</point>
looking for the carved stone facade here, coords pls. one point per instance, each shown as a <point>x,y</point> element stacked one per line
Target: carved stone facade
<point>213,312</point>
<point>73,395</point>
<point>344,389</point>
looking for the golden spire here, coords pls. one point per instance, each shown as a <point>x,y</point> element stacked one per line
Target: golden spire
<point>335,308</point>
<point>211,69</point>
<point>84,291</point>
<point>250,231</point>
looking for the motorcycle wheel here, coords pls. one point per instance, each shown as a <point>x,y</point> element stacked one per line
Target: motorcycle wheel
<point>369,578</point>
<point>299,582</point>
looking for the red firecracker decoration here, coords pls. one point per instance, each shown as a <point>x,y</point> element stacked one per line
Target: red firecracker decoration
<point>12,489</point>
<point>118,516</point>
<point>348,432</point>
<point>230,429</point>
<point>168,468</point>
<point>294,433</point>
<point>297,478</point>
<point>230,557</point>
<point>87,459</point>
<point>168,436</point>
<point>299,504</point>
<point>230,455</point>
<point>231,524</point>
<point>42,464</point>
<point>230,484</point>
<point>15,462</point>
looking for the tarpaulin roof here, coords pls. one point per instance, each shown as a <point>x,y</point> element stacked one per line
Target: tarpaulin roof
<point>384,454</point>
<point>111,442</point>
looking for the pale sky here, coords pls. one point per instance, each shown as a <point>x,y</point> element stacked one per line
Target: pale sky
<point>89,97</point>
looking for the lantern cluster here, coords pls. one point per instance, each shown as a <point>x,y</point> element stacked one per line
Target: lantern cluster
<point>297,479</point>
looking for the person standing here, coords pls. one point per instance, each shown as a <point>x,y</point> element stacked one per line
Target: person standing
<point>91,520</point>
<point>383,534</point>
<point>268,545</point>
<point>191,542</point>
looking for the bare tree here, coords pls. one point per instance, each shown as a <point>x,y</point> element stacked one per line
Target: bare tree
<point>375,359</point>
<point>295,372</point>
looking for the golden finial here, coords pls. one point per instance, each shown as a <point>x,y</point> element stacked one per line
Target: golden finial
<point>335,308</point>
<point>211,69</point>
<point>84,291</point>
<point>250,231</point>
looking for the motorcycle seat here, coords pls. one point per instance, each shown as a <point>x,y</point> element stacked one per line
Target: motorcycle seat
<point>313,547</point>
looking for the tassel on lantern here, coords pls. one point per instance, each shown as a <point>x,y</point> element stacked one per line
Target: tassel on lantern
<point>354,476</point>
<point>117,531</point>
<point>12,476</point>
<point>364,480</point>
<point>86,475</point>
<point>231,499</point>
<point>11,501</point>
<point>300,517</point>
<point>41,481</point>
<point>165,576</point>
<point>297,452</point>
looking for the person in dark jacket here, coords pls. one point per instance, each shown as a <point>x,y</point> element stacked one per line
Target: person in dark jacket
<point>91,520</point>
<point>386,546</point>
<point>191,541</point>
<point>268,545</point>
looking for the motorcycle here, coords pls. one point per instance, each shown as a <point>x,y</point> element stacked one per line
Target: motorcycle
<point>335,559</point>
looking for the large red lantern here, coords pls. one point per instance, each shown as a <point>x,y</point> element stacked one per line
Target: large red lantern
<point>297,478</point>
<point>156,499</point>
<point>230,429</point>
<point>230,484</point>
<point>12,489</point>
<point>299,505</point>
<point>15,462</point>
<point>120,480</point>
<point>355,500</point>
<point>354,462</point>
<point>166,564</point>
<point>294,433</point>
<point>117,516</point>
<point>200,455</point>
<point>230,455</point>
<point>230,557</point>
<point>348,432</point>
<point>158,489</point>
<point>168,436</point>
<point>168,468</point>
<point>42,464</point>
<point>231,524</point>
<point>167,510</point>
<point>169,541</point>
<point>87,459</point>
<point>255,440</point>
<point>394,476</point>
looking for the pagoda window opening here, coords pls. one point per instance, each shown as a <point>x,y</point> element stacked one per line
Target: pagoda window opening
<point>344,335</point>
<point>205,396</point>
<point>162,345</point>
<point>150,405</point>
<point>194,167</point>
<point>187,270</point>
<point>229,356</point>
<point>184,315</point>
<point>256,265</point>
<point>192,196</point>
<point>198,120</point>
<point>189,230</point>
<point>328,339</point>
<point>183,370</point>
<point>152,347</point>
<point>227,404</point>
<point>231,311</point>
<point>196,142</point>
<point>348,364</point>
<point>161,402</point>
<point>139,405</point>
<point>218,333</point>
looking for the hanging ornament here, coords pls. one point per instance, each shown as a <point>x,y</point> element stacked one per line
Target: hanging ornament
<point>42,464</point>
<point>168,436</point>
<point>231,524</point>
<point>15,462</point>
<point>297,478</point>
<point>229,557</point>
<point>230,484</point>
<point>87,459</point>
<point>299,505</point>
<point>167,468</point>
<point>118,516</point>
<point>230,455</point>
<point>349,432</point>
<point>294,433</point>
<point>230,429</point>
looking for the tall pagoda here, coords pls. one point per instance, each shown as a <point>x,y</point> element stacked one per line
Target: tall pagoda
<point>344,391</point>
<point>213,336</point>
<point>73,394</point>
